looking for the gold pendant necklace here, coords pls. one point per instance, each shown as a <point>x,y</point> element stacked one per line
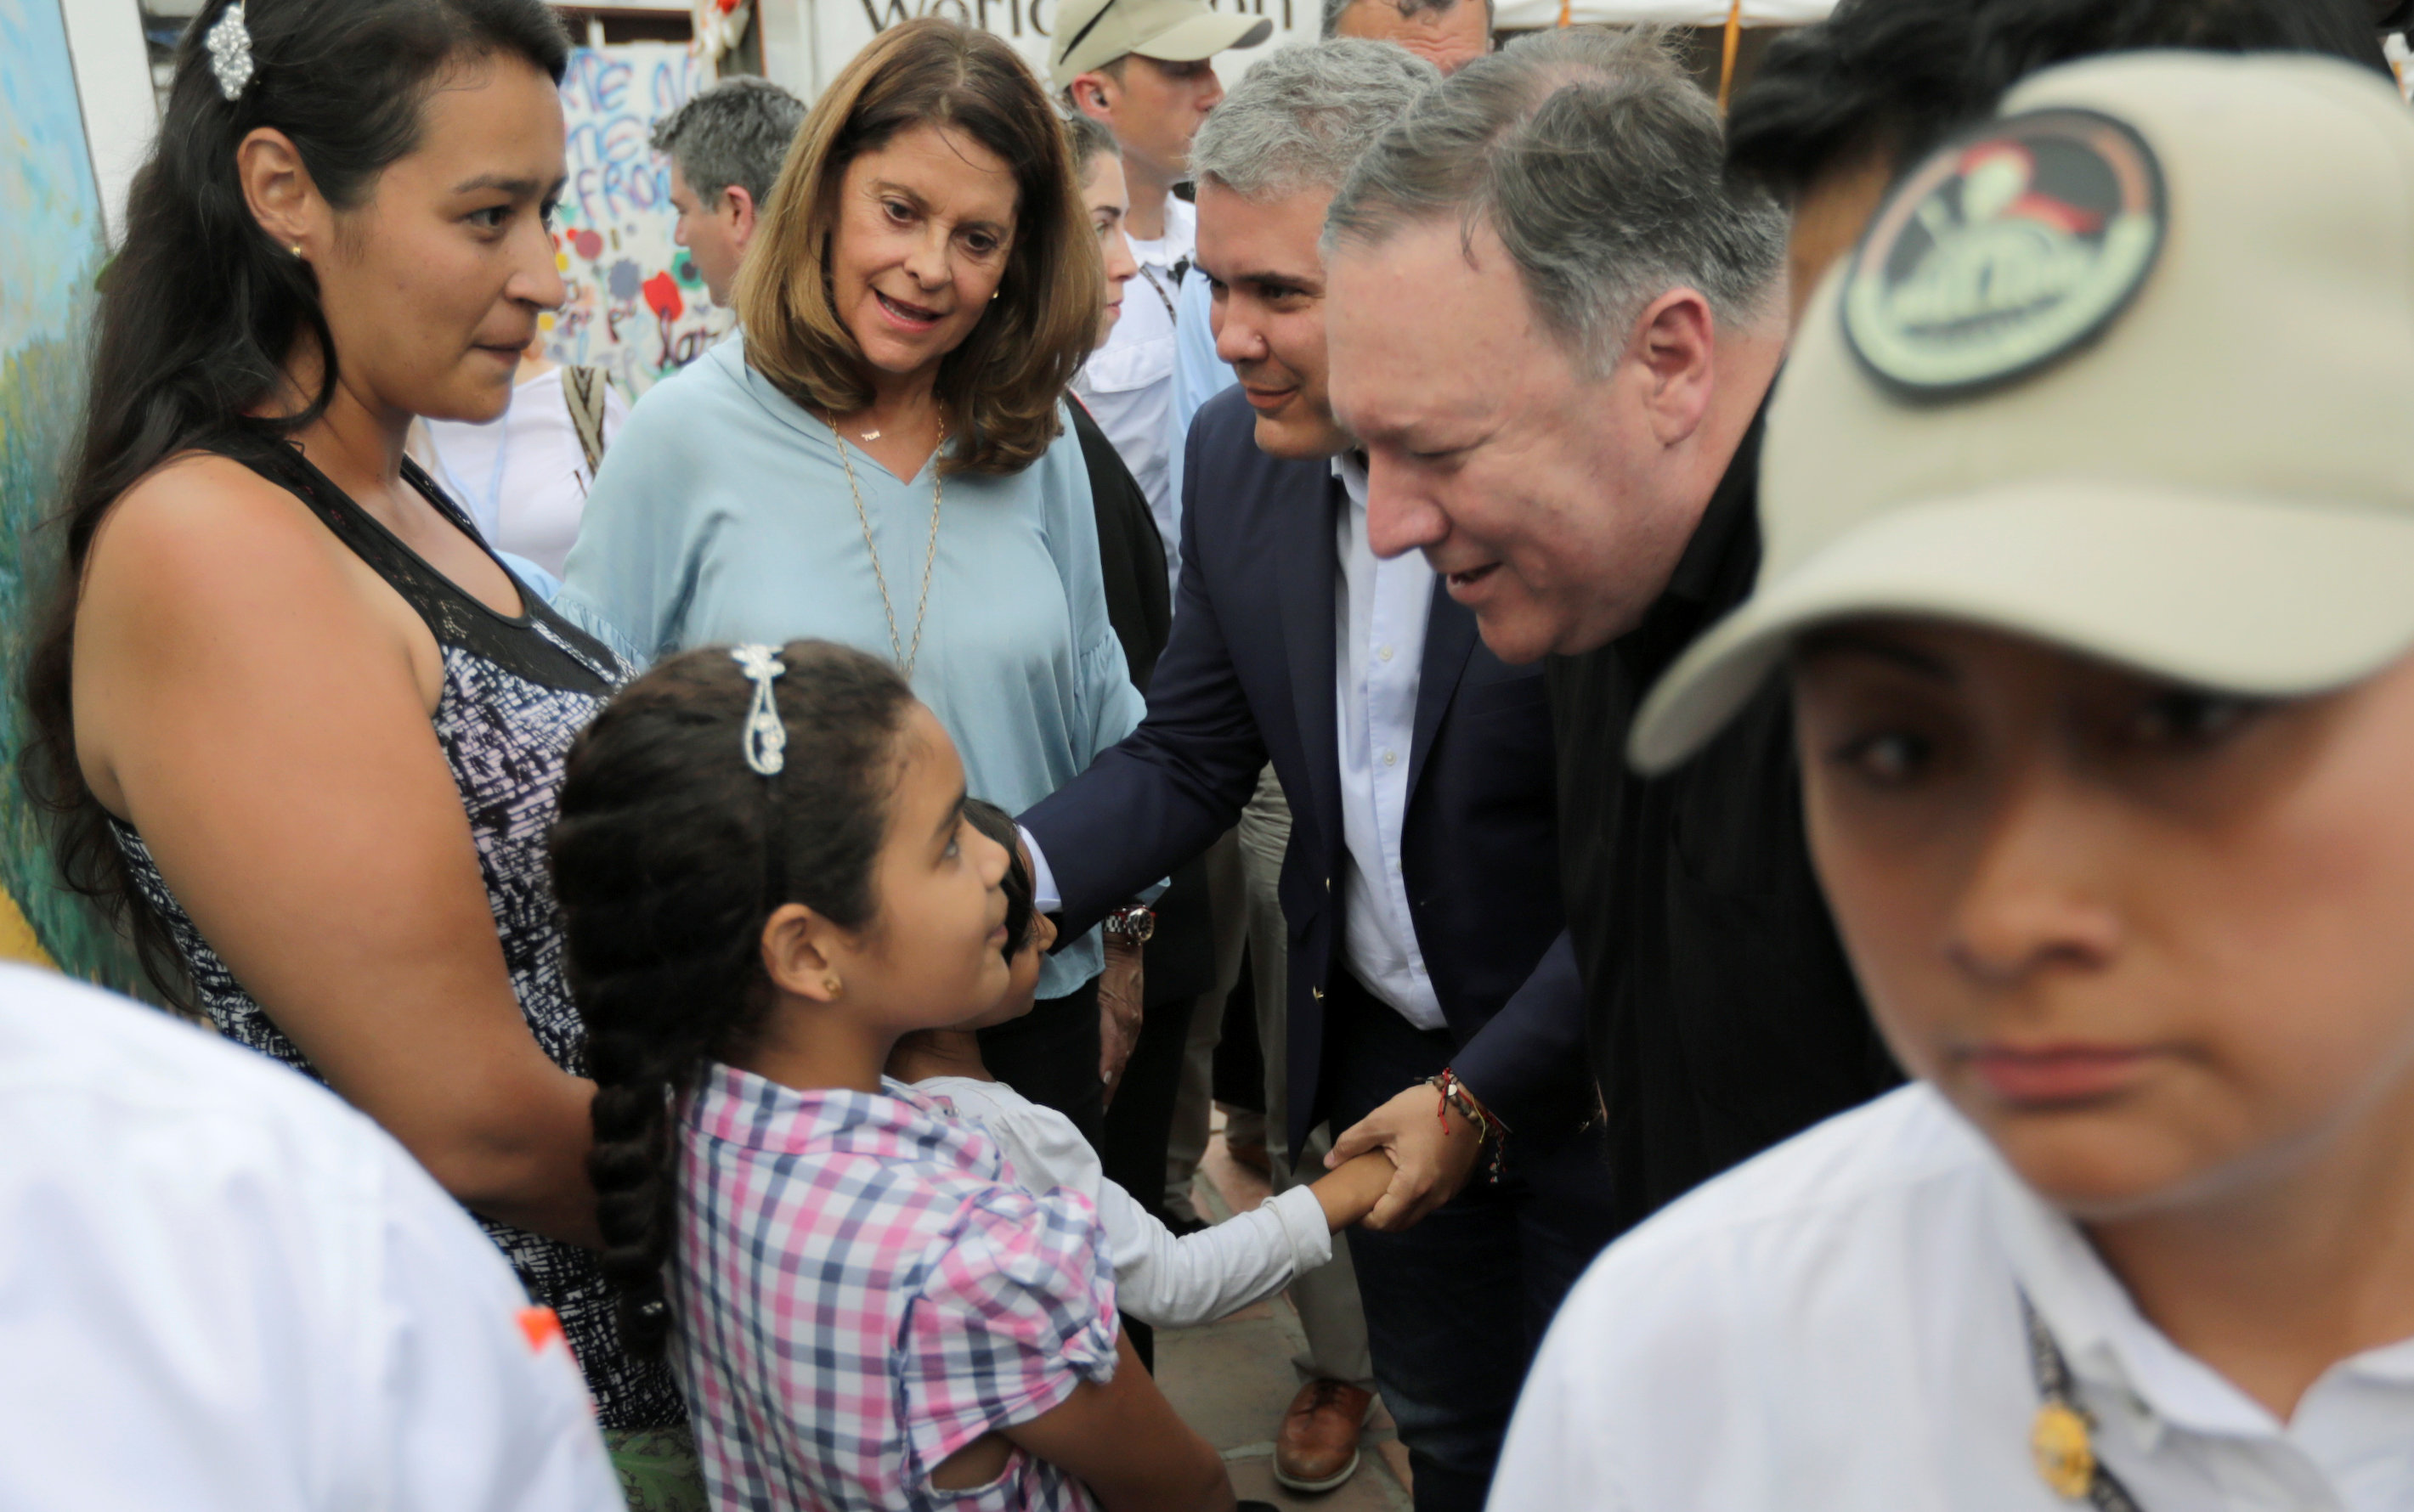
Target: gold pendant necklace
<point>903,655</point>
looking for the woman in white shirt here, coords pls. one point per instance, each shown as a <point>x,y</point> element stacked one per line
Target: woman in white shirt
<point>524,475</point>
<point>2089,560</point>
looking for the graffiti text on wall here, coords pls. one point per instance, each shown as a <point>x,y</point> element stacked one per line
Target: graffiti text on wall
<point>636,304</point>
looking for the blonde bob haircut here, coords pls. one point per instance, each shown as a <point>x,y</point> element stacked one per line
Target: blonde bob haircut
<point>999,389</point>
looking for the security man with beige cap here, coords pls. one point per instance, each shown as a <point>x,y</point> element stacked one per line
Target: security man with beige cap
<point>1144,69</point>
<point>2089,526</point>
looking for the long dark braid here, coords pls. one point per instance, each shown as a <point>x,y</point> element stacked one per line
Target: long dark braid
<point>669,855</point>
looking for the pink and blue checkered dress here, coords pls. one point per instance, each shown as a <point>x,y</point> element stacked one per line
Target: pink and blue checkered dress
<point>861,1291</point>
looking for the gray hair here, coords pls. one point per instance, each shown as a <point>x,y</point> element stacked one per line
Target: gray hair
<point>1335,9</point>
<point>1302,115</point>
<point>735,133</point>
<point>1598,162</point>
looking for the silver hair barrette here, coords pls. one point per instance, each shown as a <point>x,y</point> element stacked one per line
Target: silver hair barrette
<point>230,43</point>
<point>765,738</point>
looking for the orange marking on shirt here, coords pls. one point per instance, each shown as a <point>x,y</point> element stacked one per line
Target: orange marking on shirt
<point>541,1326</point>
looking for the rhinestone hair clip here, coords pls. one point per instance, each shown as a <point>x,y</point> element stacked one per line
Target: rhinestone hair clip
<point>230,44</point>
<point>765,738</point>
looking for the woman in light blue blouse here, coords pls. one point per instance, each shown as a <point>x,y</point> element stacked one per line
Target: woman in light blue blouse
<point>882,457</point>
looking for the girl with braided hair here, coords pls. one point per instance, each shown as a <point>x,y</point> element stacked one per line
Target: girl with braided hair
<point>767,877</point>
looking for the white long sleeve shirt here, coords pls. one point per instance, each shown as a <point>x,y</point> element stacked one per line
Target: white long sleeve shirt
<point>1164,1279</point>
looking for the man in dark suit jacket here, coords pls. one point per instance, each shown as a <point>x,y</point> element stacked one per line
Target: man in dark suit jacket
<point>1422,885</point>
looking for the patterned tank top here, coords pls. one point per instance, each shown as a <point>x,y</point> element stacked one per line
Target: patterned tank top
<point>515,692</point>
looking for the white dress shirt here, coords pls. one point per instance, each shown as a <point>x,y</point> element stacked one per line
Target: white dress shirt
<point>1128,382</point>
<point>1164,1280</point>
<point>1380,610</point>
<point>222,1290</point>
<point>1836,1324</point>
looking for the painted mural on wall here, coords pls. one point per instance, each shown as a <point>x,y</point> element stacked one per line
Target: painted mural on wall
<point>51,243</point>
<point>636,306</point>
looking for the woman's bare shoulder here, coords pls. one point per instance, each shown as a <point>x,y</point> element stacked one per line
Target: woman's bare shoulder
<point>202,541</point>
<point>208,587</point>
<point>198,500</point>
<point>205,531</point>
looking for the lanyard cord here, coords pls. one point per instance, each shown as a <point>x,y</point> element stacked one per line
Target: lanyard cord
<point>2061,1440</point>
<point>1162,297</point>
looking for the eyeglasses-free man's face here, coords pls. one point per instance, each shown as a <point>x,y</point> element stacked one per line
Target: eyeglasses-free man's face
<point>1555,503</point>
<point>1154,109</point>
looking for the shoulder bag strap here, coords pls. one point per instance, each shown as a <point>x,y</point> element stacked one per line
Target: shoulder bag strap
<point>582,388</point>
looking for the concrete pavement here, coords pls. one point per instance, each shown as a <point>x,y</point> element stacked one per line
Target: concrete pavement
<point>1231,1379</point>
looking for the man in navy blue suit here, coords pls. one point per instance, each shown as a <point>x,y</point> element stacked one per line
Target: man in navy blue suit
<point>1420,887</point>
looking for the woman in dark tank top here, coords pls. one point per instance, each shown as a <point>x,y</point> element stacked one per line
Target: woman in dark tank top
<point>296,721</point>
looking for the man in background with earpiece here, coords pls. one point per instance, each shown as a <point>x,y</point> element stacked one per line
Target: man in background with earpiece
<point>1145,70</point>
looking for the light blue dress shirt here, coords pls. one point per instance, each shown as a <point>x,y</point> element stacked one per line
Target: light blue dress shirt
<point>1199,375</point>
<point>1380,611</point>
<point>723,514</point>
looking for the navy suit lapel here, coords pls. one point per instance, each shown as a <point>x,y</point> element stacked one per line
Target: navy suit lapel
<point>1450,638</point>
<point>1309,565</point>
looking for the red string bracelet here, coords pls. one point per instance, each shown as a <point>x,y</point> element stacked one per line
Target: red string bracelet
<point>1489,1128</point>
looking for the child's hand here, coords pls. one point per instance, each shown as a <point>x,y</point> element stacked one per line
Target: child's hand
<point>1350,1191</point>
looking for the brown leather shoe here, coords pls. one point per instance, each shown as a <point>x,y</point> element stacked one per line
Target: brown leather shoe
<point>1317,1447</point>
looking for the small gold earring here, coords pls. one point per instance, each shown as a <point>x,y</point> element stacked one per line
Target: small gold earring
<point>295,249</point>
<point>830,985</point>
<point>993,293</point>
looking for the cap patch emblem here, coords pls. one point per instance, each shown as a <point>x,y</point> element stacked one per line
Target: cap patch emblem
<point>2001,253</point>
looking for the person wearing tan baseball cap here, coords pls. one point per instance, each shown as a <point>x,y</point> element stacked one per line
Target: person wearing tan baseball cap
<point>1093,34</point>
<point>1144,69</point>
<point>2090,522</point>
